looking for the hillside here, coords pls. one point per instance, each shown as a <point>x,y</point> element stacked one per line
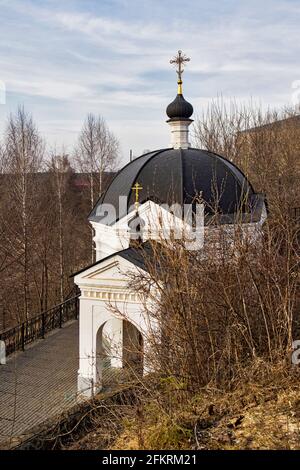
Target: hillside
<point>256,416</point>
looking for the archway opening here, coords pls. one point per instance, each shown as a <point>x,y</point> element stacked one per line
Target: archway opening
<point>133,350</point>
<point>103,360</point>
<point>119,353</point>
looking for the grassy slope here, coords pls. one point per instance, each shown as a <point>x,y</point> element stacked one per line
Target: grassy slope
<point>255,416</point>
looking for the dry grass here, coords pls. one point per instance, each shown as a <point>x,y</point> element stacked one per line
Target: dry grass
<point>255,416</point>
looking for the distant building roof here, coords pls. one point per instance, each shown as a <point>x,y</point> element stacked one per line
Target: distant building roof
<point>290,121</point>
<point>81,180</point>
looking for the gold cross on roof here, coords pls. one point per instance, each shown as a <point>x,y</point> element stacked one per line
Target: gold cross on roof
<point>136,188</point>
<point>179,60</point>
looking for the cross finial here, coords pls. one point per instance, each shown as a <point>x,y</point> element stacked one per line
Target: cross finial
<point>136,188</point>
<point>179,61</point>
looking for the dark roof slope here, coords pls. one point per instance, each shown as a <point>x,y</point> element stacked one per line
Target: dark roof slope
<point>135,255</point>
<point>171,176</point>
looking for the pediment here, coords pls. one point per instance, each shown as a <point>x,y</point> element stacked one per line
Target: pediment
<point>102,270</point>
<point>111,272</point>
<point>156,218</point>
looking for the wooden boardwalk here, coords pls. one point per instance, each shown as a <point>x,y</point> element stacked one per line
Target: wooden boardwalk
<point>38,384</point>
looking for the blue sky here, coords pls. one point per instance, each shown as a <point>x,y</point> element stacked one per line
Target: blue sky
<point>63,59</point>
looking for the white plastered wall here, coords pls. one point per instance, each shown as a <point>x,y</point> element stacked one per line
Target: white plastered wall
<point>106,299</point>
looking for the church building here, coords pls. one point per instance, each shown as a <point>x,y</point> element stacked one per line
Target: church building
<point>139,206</point>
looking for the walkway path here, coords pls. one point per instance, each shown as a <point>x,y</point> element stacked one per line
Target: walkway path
<point>38,383</point>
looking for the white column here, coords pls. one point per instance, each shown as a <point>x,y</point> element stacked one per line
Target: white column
<point>115,338</point>
<point>107,240</point>
<point>180,133</point>
<point>86,371</point>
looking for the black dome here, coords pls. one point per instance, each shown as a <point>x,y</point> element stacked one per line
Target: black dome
<point>171,176</point>
<point>179,108</point>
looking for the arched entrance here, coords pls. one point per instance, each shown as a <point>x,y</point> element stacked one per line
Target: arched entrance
<point>102,361</point>
<point>119,353</point>
<point>133,350</point>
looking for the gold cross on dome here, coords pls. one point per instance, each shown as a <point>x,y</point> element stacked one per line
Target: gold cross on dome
<point>136,188</point>
<point>179,60</point>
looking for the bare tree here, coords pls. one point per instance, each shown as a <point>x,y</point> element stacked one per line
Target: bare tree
<point>96,152</point>
<point>265,145</point>
<point>107,158</point>
<point>60,169</point>
<point>23,155</point>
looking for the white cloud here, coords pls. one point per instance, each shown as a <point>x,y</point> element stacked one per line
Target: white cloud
<point>52,89</point>
<point>117,63</point>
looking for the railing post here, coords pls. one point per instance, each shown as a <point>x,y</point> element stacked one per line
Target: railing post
<point>60,315</point>
<point>67,311</point>
<point>23,336</point>
<point>43,326</point>
<point>77,308</point>
<point>2,353</point>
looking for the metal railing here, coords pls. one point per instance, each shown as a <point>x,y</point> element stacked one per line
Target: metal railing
<point>38,326</point>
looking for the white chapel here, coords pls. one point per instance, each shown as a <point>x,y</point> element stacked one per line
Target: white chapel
<point>139,206</point>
